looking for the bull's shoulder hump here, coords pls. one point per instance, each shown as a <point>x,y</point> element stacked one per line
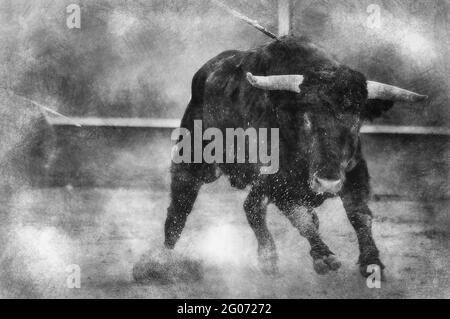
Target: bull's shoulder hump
<point>226,66</point>
<point>218,60</point>
<point>292,54</point>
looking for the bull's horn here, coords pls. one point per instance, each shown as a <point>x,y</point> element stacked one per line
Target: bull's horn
<point>382,91</point>
<point>276,82</point>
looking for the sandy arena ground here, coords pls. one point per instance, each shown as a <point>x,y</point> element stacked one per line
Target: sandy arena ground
<point>105,231</point>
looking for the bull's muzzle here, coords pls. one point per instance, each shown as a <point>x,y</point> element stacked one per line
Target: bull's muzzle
<point>322,186</point>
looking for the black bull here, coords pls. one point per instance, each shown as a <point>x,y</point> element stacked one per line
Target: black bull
<point>319,123</point>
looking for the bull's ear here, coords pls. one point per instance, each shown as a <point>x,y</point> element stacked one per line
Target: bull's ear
<point>374,108</point>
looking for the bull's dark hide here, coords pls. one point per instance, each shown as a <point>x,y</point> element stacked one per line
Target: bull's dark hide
<point>222,98</point>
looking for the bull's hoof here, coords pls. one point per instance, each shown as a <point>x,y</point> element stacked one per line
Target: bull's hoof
<point>268,261</point>
<point>165,267</point>
<point>324,265</point>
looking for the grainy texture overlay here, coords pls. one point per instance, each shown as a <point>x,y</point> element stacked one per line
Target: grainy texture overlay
<point>109,186</point>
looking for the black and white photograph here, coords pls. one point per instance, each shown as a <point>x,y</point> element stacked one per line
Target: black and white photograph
<point>257,150</point>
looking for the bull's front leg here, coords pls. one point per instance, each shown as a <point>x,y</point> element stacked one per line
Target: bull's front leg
<point>355,197</point>
<point>255,207</point>
<point>307,223</point>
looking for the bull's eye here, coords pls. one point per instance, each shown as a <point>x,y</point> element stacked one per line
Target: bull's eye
<point>308,124</point>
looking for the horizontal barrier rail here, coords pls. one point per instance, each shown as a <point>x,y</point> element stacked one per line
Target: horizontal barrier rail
<point>117,122</point>
<point>174,123</point>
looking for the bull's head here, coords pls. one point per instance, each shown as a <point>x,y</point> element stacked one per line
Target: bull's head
<point>329,109</point>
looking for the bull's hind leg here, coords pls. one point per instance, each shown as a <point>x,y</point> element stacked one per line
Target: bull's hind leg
<point>255,207</point>
<point>355,197</point>
<point>184,190</point>
<point>163,266</point>
<point>307,223</point>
